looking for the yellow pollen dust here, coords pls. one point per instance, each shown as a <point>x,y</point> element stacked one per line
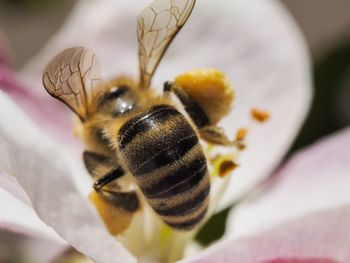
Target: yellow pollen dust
<point>260,115</point>
<point>116,219</point>
<point>241,134</point>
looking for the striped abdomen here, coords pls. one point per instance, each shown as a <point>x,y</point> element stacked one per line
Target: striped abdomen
<point>161,149</point>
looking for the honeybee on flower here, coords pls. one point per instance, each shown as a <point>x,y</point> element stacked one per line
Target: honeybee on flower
<point>146,238</point>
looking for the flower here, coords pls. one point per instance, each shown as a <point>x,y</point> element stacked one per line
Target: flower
<point>41,170</point>
<point>307,201</point>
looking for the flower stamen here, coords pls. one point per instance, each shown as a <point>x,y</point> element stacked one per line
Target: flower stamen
<point>260,115</point>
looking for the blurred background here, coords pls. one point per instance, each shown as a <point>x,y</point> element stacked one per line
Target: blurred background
<point>28,24</point>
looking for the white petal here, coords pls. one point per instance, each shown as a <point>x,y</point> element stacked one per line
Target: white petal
<point>317,237</point>
<point>17,216</point>
<point>38,165</point>
<point>314,179</point>
<point>13,245</point>
<point>10,184</point>
<point>255,42</point>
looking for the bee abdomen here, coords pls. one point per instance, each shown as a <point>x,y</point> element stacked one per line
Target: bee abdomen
<point>159,137</point>
<point>184,205</point>
<point>168,155</point>
<point>188,223</point>
<point>183,208</point>
<point>162,151</point>
<point>175,179</point>
<point>157,115</point>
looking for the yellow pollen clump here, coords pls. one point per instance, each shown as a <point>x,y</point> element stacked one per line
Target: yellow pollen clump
<point>116,219</point>
<point>260,115</point>
<point>211,89</point>
<point>241,134</point>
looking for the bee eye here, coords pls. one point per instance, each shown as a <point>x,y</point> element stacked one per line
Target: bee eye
<point>116,92</point>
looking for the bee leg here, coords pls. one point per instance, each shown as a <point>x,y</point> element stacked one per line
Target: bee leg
<point>194,110</point>
<point>210,133</point>
<point>108,178</point>
<point>214,135</point>
<point>127,201</point>
<point>93,161</point>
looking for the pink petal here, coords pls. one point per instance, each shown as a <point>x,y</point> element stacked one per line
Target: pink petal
<point>314,179</point>
<point>42,170</point>
<point>255,42</point>
<point>315,238</point>
<point>48,113</point>
<point>295,260</point>
<point>51,115</point>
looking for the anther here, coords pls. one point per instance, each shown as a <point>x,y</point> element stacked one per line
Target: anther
<point>259,115</point>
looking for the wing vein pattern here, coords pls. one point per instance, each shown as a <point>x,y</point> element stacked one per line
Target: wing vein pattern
<point>157,26</point>
<point>73,77</point>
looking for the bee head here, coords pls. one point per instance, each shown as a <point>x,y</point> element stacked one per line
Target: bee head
<point>118,98</point>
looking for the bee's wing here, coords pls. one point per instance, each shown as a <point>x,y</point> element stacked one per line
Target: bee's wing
<point>157,26</point>
<point>73,77</point>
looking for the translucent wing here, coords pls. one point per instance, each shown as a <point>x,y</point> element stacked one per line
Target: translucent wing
<point>73,77</point>
<point>157,26</point>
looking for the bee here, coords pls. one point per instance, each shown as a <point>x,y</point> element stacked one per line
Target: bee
<point>152,141</point>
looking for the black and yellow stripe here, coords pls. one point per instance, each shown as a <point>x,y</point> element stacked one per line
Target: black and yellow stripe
<point>162,151</point>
